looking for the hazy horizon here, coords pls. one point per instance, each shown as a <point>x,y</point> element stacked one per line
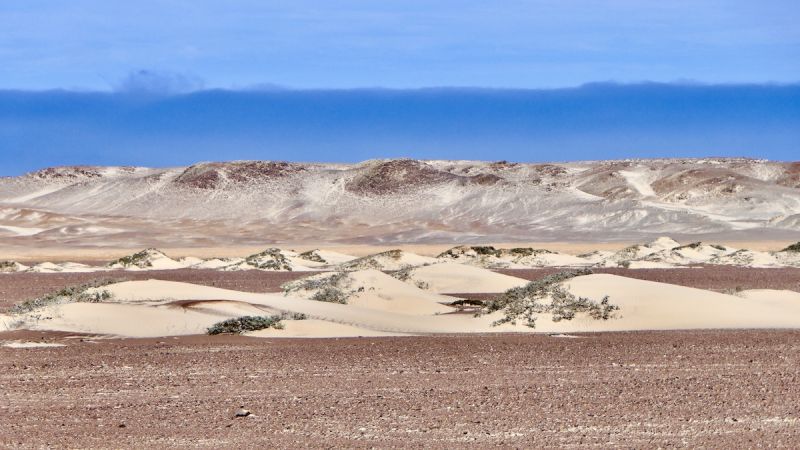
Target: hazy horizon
<point>156,83</point>
<point>155,123</point>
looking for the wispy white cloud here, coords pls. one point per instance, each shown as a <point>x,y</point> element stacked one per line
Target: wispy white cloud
<point>156,82</point>
<point>399,43</point>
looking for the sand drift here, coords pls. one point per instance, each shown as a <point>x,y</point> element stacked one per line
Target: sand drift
<point>377,304</point>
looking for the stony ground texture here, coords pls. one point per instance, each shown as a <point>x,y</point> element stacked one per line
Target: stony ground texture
<point>635,390</point>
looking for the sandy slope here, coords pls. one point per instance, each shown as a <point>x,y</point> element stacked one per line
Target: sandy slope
<point>771,296</point>
<point>141,320</point>
<point>383,293</point>
<point>148,308</point>
<point>460,278</point>
<point>646,305</point>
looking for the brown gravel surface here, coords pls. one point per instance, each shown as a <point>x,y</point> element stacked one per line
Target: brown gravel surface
<point>731,389</point>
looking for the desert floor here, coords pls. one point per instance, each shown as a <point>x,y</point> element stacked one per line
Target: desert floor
<point>644,389</point>
<point>639,389</point>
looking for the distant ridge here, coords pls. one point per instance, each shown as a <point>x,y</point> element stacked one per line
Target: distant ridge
<point>400,200</point>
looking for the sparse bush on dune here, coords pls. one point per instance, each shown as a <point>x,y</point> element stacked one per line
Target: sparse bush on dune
<point>793,248</point>
<point>405,273</point>
<point>372,261</point>
<point>240,325</point>
<point>8,266</point>
<point>330,294</point>
<point>315,282</point>
<point>480,250</point>
<point>312,255</point>
<point>142,259</point>
<point>736,291</point>
<point>269,259</point>
<point>70,294</point>
<point>332,288</point>
<point>132,260</point>
<point>547,296</point>
<point>486,250</point>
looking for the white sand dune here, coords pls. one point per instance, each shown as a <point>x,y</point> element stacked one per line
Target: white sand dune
<point>647,305</point>
<point>160,319</point>
<point>383,293</point>
<point>325,257</point>
<point>388,306</point>
<point>126,320</point>
<point>373,289</point>
<point>66,267</point>
<point>772,296</point>
<point>388,260</point>
<point>449,277</point>
<point>490,257</point>
<point>149,259</point>
<point>6,322</point>
<point>226,308</point>
<point>12,267</point>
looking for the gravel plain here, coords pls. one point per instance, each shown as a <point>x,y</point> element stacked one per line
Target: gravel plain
<point>731,389</point>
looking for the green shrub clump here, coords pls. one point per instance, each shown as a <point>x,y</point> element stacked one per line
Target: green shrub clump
<point>793,248</point>
<point>527,302</point>
<point>269,259</point>
<point>141,259</point>
<point>330,294</point>
<point>70,294</point>
<point>242,324</point>
<point>331,288</point>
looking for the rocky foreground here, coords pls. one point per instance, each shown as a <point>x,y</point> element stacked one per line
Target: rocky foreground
<point>638,390</point>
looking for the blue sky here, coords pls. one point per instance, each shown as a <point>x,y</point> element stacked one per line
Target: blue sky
<point>93,44</point>
<point>171,82</point>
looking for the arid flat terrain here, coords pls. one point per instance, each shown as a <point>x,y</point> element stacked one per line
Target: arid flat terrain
<point>723,371</point>
<point>633,390</point>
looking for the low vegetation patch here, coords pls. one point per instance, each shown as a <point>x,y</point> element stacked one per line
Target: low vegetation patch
<point>332,288</point>
<point>70,294</point>
<point>793,248</point>
<point>372,261</point>
<point>480,250</point>
<point>312,255</point>
<point>243,324</point>
<point>269,259</point>
<point>142,259</point>
<point>527,251</point>
<point>693,245</point>
<point>330,294</point>
<point>547,296</point>
<point>404,274</point>
<point>8,266</point>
